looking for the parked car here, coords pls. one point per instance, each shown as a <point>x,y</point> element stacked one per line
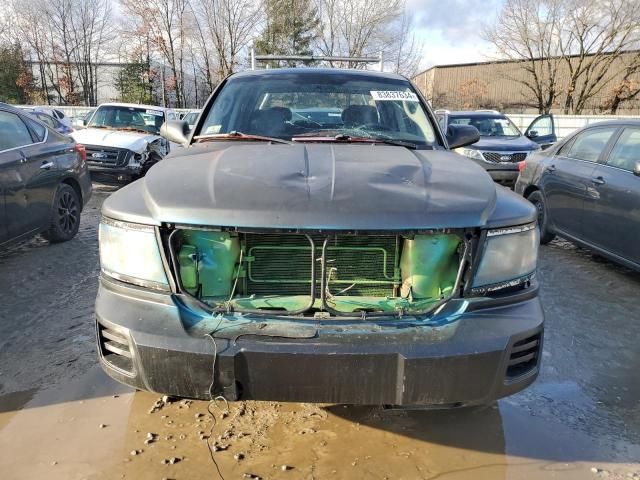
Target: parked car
<point>362,264</point>
<point>501,144</point>
<point>123,140</point>
<point>50,122</point>
<point>52,112</point>
<point>44,182</point>
<point>587,189</point>
<point>82,120</point>
<point>191,118</point>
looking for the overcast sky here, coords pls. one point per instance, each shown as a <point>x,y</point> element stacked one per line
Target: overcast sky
<point>451,29</point>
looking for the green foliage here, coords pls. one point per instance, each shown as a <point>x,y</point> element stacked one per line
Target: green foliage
<point>132,83</point>
<point>291,28</point>
<point>15,80</point>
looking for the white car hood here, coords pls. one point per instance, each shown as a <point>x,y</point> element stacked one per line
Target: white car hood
<point>113,138</point>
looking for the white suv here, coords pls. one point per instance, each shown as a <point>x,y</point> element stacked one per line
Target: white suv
<point>123,140</point>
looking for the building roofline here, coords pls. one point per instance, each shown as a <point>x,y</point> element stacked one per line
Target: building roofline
<point>497,62</point>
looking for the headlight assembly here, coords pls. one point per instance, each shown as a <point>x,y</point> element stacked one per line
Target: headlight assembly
<point>129,252</point>
<point>509,258</point>
<point>470,152</point>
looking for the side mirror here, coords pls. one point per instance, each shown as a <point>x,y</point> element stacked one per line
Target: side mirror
<point>532,134</point>
<point>175,131</point>
<point>636,169</point>
<point>462,135</point>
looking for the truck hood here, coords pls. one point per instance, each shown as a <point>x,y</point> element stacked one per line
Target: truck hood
<point>313,186</point>
<point>113,138</point>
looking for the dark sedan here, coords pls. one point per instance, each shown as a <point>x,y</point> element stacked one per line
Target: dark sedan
<point>51,122</point>
<point>587,189</point>
<point>44,181</point>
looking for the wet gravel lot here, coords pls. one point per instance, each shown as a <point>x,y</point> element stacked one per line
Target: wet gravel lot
<point>61,417</point>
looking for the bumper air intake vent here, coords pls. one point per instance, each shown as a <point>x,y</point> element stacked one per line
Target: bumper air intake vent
<point>115,349</point>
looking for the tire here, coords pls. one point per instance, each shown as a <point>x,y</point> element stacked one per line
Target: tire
<point>151,161</point>
<point>65,215</point>
<point>538,201</point>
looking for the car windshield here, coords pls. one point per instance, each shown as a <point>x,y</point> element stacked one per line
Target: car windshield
<point>128,118</point>
<point>191,118</point>
<point>47,119</point>
<point>311,105</point>
<point>488,125</point>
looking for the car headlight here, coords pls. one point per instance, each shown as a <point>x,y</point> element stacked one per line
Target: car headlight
<point>129,252</point>
<point>509,258</point>
<point>469,152</point>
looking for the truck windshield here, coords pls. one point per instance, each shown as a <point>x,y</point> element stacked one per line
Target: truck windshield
<point>308,105</point>
<point>128,118</point>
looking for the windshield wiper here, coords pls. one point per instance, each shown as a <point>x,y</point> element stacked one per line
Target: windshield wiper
<point>343,138</point>
<point>234,135</point>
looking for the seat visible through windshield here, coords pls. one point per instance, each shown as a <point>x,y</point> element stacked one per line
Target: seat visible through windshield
<point>307,105</point>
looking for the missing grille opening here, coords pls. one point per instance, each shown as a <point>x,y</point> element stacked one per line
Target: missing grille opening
<point>342,274</point>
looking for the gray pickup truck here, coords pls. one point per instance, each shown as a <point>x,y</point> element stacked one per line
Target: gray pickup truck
<point>342,257</point>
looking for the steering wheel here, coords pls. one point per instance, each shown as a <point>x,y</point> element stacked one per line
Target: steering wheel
<point>306,123</point>
<point>373,126</point>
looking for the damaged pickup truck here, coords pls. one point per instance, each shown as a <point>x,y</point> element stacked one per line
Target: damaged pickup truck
<point>347,257</point>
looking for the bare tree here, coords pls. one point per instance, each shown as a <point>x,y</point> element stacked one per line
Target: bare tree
<point>568,51</point>
<point>595,37</point>
<point>227,27</point>
<point>628,88</point>
<point>91,28</point>
<point>359,28</point>
<point>168,22</point>
<point>64,39</point>
<point>406,52</point>
<point>529,31</point>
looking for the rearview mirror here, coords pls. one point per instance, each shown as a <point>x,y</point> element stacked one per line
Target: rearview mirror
<point>532,134</point>
<point>175,131</point>
<point>462,135</point>
<point>636,169</point>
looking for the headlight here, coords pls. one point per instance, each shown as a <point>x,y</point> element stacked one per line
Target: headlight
<point>469,152</point>
<point>509,258</point>
<point>129,252</point>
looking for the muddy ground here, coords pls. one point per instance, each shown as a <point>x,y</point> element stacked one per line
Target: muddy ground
<point>62,418</point>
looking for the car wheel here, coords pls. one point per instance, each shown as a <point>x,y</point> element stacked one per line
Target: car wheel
<point>65,215</point>
<point>538,201</point>
<point>151,161</point>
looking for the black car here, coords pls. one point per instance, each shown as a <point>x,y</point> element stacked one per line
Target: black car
<point>352,261</point>
<point>501,145</point>
<point>50,121</point>
<point>44,182</point>
<point>587,189</point>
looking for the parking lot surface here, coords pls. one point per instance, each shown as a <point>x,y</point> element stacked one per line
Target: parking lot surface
<point>61,417</point>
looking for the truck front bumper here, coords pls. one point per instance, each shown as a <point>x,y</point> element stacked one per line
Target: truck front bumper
<point>154,341</point>
<point>117,175</point>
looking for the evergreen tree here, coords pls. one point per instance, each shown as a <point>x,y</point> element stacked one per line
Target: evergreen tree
<point>133,84</point>
<point>291,28</point>
<point>16,82</point>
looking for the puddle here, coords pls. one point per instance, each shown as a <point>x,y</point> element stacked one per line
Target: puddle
<point>57,434</point>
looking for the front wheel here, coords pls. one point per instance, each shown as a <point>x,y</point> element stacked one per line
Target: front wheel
<point>538,201</point>
<point>65,215</point>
